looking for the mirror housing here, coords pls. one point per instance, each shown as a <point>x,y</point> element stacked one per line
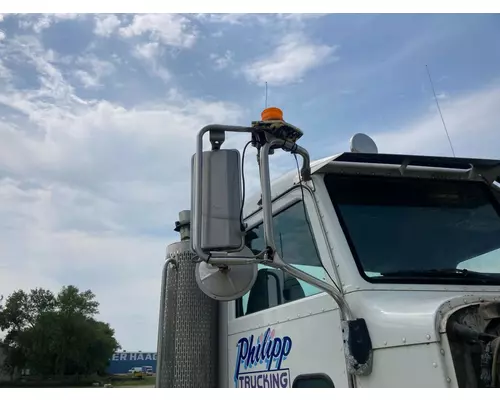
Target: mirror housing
<point>220,225</point>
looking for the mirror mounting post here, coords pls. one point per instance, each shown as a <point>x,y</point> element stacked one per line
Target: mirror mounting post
<point>265,182</point>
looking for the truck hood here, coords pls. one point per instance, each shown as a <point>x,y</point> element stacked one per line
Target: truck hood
<point>401,318</point>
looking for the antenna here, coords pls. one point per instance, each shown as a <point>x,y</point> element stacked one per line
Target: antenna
<point>266,97</point>
<point>439,109</point>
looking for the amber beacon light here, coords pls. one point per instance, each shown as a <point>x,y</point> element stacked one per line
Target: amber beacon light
<point>272,114</point>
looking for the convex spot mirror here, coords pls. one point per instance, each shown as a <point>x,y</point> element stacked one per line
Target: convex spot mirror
<point>227,283</point>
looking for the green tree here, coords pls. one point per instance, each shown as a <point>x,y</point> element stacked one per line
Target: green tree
<point>18,314</point>
<point>71,301</point>
<point>56,335</point>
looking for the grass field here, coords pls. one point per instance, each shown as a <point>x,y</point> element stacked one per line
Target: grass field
<point>124,382</point>
<point>117,381</point>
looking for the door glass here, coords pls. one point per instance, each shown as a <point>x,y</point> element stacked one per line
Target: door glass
<point>296,246</point>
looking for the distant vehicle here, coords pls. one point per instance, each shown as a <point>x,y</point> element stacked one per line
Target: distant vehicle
<point>138,372</point>
<point>149,370</point>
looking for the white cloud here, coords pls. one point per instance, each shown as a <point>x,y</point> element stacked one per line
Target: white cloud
<point>151,54</point>
<point>2,35</point>
<point>40,22</point>
<point>250,18</point>
<point>301,17</point>
<point>4,72</point>
<point>106,24</point>
<point>231,19</point>
<point>86,79</point>
<point>235,19</point>
<point>94,70</point>
<point>222,61</point>
<point>169,29</point>
<point>292,59</point>
<point>148,51</point>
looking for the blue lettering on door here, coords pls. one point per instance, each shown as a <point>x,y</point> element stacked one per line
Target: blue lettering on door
<point>264,355</point>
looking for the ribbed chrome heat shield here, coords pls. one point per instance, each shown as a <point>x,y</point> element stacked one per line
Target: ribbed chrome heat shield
<point>189,351</point>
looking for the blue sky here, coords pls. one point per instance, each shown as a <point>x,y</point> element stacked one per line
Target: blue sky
<point>98,115</point>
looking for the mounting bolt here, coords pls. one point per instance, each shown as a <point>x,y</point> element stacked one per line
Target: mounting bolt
<point>428,337</point>
<point>404,340</point>
<point>434,365</point>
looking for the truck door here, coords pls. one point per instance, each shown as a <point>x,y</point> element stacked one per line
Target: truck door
<point>285,332</point>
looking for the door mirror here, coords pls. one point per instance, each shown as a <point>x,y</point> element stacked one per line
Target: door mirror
<point>221,200</point>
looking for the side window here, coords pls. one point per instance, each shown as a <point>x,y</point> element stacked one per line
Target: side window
<point>313,381</point>
<point>297,247</point>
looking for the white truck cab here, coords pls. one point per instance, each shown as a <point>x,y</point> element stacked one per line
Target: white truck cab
<point>358,270</point>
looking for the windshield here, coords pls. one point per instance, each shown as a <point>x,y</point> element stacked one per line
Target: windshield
<point>399,228</point>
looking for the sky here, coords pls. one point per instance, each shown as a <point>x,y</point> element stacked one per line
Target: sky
<point>98,116</point>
